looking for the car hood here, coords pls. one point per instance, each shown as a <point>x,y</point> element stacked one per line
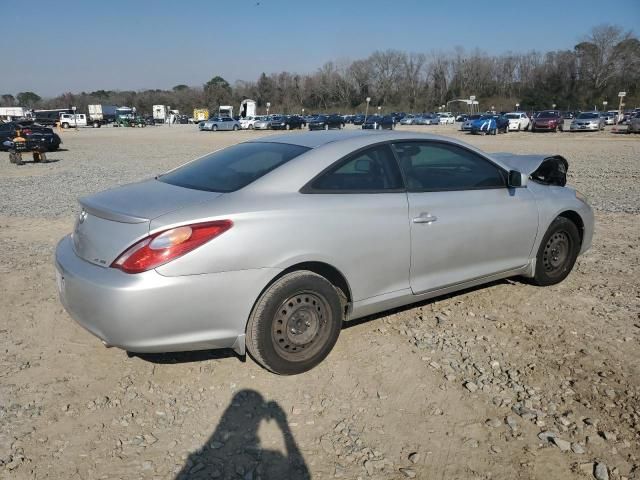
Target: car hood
<point>547,169</point>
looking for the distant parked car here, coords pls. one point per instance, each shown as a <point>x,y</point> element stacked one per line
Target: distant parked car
<point>326,122</point>
<point>447,118</point>
<point>219,123</point>
<point>408,120</point>
<point>634,124</point>
<point>609,118</point>
<point>287,123</point>
<point>462,118</point>
<point>263,124</point>
<point>358,120</point>
<point>587,121</point>
<point>490,124</point>
<point>248,122</point>
<point>547,120</point>
<point>468,123</point>
<point>428,119</point>
<point>377,122</point>
<point>518,121</point>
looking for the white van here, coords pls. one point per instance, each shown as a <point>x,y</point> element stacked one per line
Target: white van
<point>69,120</point>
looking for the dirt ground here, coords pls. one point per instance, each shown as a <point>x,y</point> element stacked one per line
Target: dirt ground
<point>504,381</point>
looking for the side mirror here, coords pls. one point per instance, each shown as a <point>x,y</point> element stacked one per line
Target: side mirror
<point>517,179</point>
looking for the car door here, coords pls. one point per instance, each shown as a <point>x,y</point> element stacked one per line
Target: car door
<point>465,222</point>
<point>359,220</point>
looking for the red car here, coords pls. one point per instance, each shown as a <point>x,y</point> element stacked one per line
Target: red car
<point>548,120</point>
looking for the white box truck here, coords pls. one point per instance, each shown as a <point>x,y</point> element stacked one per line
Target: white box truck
<point>161,114</point>
<point>225,111</point>
<point>12,113</point>
<point>247,108</point>
<point>100,115</point>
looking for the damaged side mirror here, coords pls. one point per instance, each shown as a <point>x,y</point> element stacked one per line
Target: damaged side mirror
<point>517,179</point>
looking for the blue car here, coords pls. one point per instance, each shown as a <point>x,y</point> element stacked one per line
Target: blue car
<point>490,124</point>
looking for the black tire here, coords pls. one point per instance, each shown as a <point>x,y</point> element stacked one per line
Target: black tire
<point>235,128</point>
<point>557,252</point>
<point>65,125</point>
<point>251,126</point>
<point>290,300</point>
<point>214,128</point>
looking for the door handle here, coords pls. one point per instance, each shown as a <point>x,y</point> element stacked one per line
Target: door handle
<point>425,218</point>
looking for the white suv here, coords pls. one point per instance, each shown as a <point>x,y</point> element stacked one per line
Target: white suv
<point>518,121</point>
<point>247,123</point>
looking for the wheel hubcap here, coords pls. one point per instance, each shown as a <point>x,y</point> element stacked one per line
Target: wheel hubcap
<point>556,252</point>
<point>299,322</point>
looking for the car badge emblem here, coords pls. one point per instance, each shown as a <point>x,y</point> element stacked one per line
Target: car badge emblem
<point>82,216</point>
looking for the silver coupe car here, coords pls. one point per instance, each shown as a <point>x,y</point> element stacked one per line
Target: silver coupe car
<point>219,123</point>
<point>273,243</point>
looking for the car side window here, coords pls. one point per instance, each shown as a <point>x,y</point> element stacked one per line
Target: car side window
<point>440,166</point>
<point>371,170</point>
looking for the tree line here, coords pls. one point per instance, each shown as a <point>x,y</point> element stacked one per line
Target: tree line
<point>604,63</point>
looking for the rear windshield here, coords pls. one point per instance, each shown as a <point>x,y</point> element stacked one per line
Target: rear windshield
<point>584,116</point>
<point>232,168</point>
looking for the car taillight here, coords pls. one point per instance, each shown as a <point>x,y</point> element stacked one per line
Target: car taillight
<point>165,246</point>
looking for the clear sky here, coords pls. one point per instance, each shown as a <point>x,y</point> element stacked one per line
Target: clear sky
<point>52,47</point>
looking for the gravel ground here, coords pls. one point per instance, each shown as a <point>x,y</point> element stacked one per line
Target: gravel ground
<point>505,381</point>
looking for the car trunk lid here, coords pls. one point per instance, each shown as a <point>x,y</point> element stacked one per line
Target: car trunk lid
<point>113,220</point>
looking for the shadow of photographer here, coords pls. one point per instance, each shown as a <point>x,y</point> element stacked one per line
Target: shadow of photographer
<point>235,451</point>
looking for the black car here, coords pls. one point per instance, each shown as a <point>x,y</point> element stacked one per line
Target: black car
<point>36,135</point>
<point>377,122</point>
<point>287,122</point>
<point>325,122</point>
<point>358,120</point>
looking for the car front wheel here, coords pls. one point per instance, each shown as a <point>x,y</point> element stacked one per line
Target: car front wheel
<point>557,253</point>
<point>295,323</point>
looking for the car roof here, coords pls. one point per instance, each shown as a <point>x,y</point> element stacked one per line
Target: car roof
<point>318,139</point>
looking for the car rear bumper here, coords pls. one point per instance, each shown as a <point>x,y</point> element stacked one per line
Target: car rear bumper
<point>149,312</point>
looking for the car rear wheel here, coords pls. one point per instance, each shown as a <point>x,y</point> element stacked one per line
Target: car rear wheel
<point>295,323</point>
<point>235,128</point>
<point>557,253</point>
<point>214,128</point>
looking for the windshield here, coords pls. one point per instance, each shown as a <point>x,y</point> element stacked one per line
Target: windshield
<point>584,116</point>
<point>474,117</point>
<point>512,116</point>
<point>549,114</point>
<point>232,168</point>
